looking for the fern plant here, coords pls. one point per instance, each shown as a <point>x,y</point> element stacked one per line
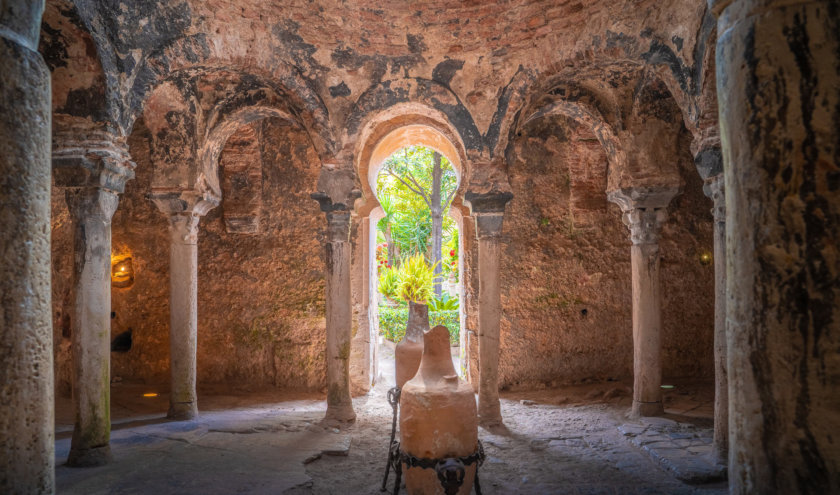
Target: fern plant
<point>416,279</point>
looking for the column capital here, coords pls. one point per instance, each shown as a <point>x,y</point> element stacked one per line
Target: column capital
<point>644,210</point>
<point>338,226</point>
<point>329,203</point>
<point>85,155</point>
<point>488,209</point>
<point>183,227</point>
<point>488,202</point>
<point>714,189</point>
<point>91,203</point>
<point>183,201</point>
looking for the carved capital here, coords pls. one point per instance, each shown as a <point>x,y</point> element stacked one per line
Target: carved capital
<point>183,227</point>
<point>644,224</point>
<point>489,202</point>
<point>338,226</point>
<point>85,155</point>
<point>178,201</point>
<point>714,189</point>
<point>644,210</point>
<point>329,203</point>
<point>89,203</point>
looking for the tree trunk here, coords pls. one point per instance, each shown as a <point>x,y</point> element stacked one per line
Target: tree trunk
<point>437,224</point>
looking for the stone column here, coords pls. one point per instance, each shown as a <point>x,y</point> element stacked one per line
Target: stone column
<point>26,361</point>
<point>93,166</point>
<point>339,314</point>
<point>183,315</point>
<point>184,210</point>
<point>643,212</point>
<point>778,84</point>
<point>488,210</point>
<point>714,189</point>
<point>339,309</point>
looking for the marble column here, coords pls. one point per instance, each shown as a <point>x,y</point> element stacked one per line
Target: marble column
<point>92,166</point>
<point>488,210</point>
<point>778,85</point>
<point>26,360</point>
<point>643,212</point>
<point>184,209</point>
<point>715,190</point>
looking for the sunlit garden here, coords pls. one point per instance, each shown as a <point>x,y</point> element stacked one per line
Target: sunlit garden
<point>417,241</point>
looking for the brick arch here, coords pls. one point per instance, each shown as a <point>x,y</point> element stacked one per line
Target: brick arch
<point>587,114</point>
<point>402,125</point>
<point>194,55</point>
<point>249,98</point>
<point>427,96</point>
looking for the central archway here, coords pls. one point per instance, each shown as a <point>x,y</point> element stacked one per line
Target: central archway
<point>383,136</point>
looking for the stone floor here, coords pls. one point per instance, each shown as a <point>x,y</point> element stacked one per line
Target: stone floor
<point>574,440</point>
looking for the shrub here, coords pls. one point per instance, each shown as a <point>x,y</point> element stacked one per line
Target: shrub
<point>392,322</point>
<point>389,282</point>
<point>444,303</point>
<point>416,279</point>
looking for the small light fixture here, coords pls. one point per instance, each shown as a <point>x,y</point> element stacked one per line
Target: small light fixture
<point>122,271</point>
<point>705,258</point>
<point>150,394</point>
<point>667,387</point>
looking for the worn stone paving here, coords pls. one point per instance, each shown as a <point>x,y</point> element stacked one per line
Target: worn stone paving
<point>681,448</point>
<point>257,450</point>
<point>572,440</point>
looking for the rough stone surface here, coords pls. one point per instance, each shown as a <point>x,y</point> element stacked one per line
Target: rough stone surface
<point>26,368</point>
<point>780,131</point>
<point>260,103</point>
<point>257,324</point>
<point>566,292</point>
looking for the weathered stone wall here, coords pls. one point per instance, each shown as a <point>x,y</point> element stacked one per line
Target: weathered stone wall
<point>566,293</point>
<point>261,297</point>
<point>331,67</point>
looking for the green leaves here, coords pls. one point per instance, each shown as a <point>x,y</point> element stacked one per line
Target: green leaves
<point>404,189</point>
<point>392,323</point>
<point>389,283</point>
<point>444,303</point>
<point>415,277</point>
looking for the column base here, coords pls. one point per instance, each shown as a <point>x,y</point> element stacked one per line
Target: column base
<point>343,413</point>
<point>97,456</point>
<point>647,409</point>
<point>490,423</point>
<point>182,411</point>
<point>491,414</point>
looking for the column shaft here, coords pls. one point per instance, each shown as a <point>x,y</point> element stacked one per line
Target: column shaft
<point>721,434</point>
<point>339,314</point>
<point>183,315</point>
<point>26,361</point>
<point>778,88</point>
<point>489,316</point>
<point>91,209</point>
<point>647,330</point>
<point>643,212</point>
<point>488,210</point>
